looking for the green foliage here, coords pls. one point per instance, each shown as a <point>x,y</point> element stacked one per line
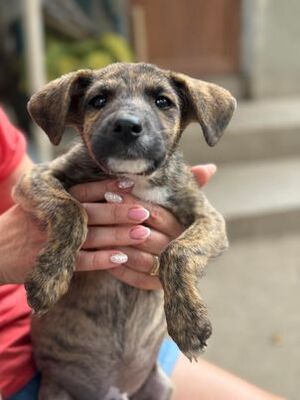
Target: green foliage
<point>63,56</point>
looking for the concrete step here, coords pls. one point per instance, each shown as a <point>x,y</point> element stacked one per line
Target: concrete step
<point>261,197</point>
<point>259,130</point>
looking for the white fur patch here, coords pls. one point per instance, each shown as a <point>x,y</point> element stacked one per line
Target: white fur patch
<point>137,166</point>
<point>152,194</point>
<point>144,191</point>
<point>115,394</point>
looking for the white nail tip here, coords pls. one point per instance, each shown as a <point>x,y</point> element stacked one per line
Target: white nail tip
<point>119,258</point>
<point>112,197</point>
<point>125,183</point>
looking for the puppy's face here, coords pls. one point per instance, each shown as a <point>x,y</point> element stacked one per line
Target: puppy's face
<point>131,116</point>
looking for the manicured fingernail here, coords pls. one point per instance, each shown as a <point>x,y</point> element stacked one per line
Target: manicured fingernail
<point>139,232</point>
<point>211,168</point>
<point>119,258</point>
<point>111,197</point>
<point>138,213</point>
<point>125,183</point>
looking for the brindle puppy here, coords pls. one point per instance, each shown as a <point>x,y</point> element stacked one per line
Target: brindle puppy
<point>100,338</point>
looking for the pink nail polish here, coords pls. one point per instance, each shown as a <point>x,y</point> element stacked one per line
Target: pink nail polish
<point>139,232</point>
<point>138,213</point>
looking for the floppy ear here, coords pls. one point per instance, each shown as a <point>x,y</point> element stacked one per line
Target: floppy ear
<point>209,104</point>
<point>56,105</point>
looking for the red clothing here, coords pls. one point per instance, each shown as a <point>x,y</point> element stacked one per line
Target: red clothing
<point>16,361</point>
<point>12,147</point>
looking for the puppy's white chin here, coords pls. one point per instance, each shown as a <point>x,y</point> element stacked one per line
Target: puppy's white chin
<point>137,166</point>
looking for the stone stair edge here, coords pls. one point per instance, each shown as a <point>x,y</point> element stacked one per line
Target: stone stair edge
<point>263,114</point>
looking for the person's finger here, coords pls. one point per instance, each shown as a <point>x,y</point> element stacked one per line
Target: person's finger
<point>203,173</point>
<point>163,221</point>
<point>111,236</point>
<point>112,214</point>
<point>160,219</point>
<point>101,259</point>
<point>114,260</point>
<point>155,243</point>
<point>136,279</point>
<point>94,191</point>
<point>138,260</point>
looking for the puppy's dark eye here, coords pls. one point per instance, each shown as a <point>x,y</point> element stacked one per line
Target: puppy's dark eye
<point>98,101</point>
<point>163,102</point>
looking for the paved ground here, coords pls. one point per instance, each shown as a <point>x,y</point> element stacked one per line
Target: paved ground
<point>253,297</point>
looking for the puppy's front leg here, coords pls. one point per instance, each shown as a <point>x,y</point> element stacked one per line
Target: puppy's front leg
<point>182,263</point>
<point>45,198</point>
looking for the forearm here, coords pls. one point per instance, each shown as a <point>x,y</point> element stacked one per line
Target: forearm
<point>207,381</point>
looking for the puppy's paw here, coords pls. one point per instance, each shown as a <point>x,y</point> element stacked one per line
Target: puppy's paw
<point>43,287</point>
<point>188,326</point>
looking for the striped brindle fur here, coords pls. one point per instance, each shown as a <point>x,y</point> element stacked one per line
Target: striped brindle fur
<point>94,337</point>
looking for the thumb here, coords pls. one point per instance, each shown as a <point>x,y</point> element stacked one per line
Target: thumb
<point>203,173</point>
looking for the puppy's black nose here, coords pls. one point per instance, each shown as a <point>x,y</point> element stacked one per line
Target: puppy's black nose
<point>128,127</point>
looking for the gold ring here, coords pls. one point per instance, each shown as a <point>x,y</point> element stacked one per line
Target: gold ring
<point>155,268</point>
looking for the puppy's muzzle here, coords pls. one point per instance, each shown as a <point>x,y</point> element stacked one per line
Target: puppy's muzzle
<point>128,142</point>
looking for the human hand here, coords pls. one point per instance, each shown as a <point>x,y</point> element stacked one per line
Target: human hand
<point>21,238</point>
<point>135,255</point>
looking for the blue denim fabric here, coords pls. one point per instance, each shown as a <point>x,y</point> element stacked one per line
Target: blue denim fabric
<point>29,391</point>
<point>167,358</point>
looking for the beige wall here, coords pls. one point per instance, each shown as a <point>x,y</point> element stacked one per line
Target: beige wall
<point>271,47</point>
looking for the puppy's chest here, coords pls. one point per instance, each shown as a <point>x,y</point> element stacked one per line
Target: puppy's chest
<point>146,191</point>
<point>175,198</point>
